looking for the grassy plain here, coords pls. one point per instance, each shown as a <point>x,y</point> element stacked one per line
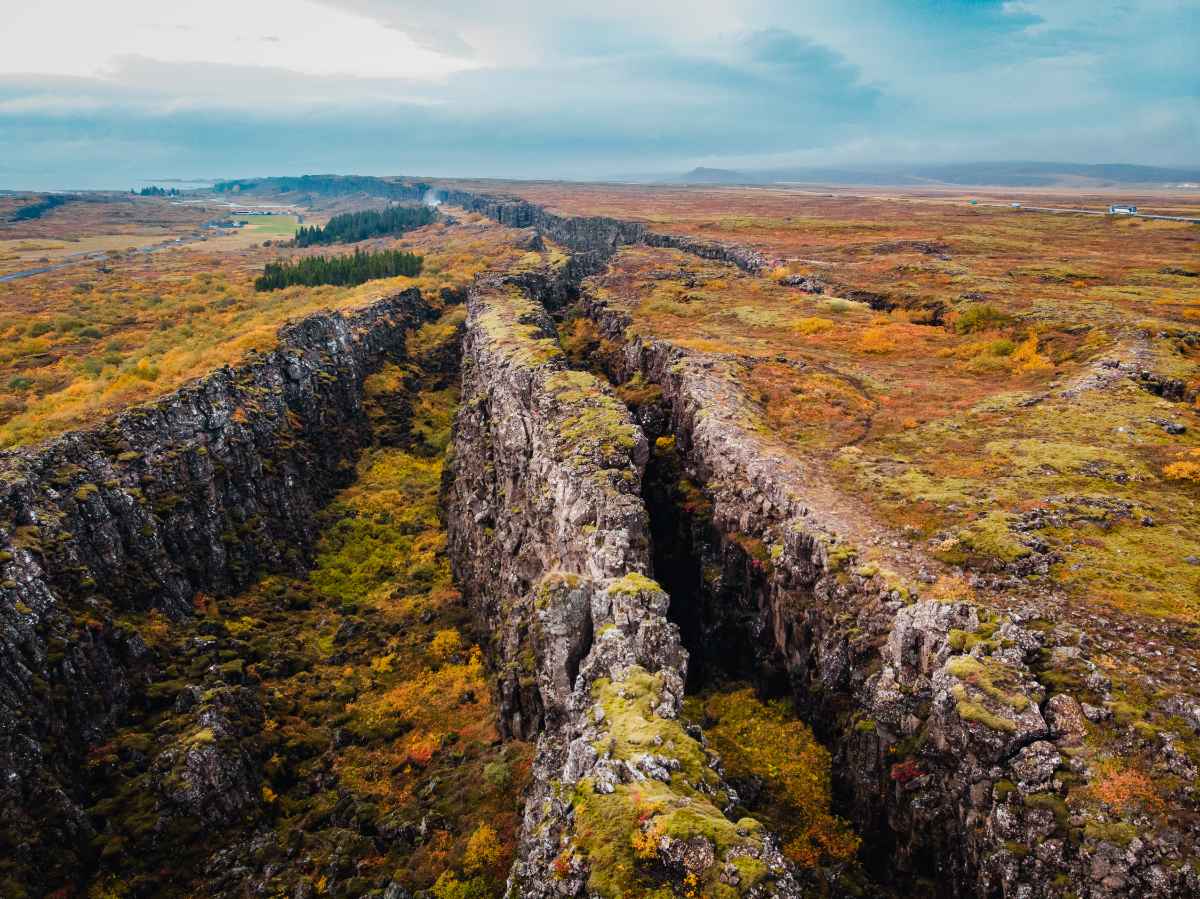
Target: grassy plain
<point>91,223</point>
<point>952,373</point>
<point>89,340</point>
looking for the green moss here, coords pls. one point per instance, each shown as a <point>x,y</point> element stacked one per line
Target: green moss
<point>969,710</point>
<point>1055,804</point>
<point>603,826</point>
<point>751,871</point>
<point>84,491</point>
<point>635,728</point>
<point>633,583</point>
<point>201,737</point>
<point>700,819</point>
<point>1119,833</point>
<point>990,536</point>
<point>591,417</point>
<point>989,677</point>
<point>965,641</point>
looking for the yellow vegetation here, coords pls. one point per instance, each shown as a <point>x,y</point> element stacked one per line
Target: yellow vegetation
<point>764,740</point>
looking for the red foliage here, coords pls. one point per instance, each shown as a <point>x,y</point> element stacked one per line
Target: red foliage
<point>903,772</point>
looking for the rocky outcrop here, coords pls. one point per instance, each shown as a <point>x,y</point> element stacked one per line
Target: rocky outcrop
<point>197,492</point>
<point>596,238</point>
<point>549,540</point>
<point>955,758</point>
<point>956,761</point>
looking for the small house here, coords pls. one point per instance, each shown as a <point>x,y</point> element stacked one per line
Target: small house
<point>1122,209</point>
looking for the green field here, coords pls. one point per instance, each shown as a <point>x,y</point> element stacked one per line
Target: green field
<point>269,226</point>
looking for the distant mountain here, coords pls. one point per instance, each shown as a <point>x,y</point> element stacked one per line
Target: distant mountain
<point>702,175</point>
<point>998,174</point>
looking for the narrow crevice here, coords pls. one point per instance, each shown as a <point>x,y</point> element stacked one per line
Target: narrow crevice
<point>708,580</point>
<point>718,585</point>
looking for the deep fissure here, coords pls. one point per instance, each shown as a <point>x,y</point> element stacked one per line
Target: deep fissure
<point>716,583</point>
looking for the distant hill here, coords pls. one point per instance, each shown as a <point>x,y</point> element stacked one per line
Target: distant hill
<point>999,174</point>
<point>702,175</point>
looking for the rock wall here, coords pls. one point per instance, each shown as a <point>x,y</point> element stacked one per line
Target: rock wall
<point>952,755</point>
<point>596,238</point>
<point>196,492</point>
<point>549,541</point>
<point>954,758</point>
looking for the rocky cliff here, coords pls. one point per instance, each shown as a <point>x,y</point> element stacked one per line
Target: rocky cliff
<point>595,238</point>
<point>953,753</point>
<point>195,493</point>
<point>956,747</point>
<point>549,540</point>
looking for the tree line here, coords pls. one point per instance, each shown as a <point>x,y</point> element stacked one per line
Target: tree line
<point>156,192</point>
<point>330,185</point>
<point>342,271</point>
<point>350,227</point>
<point>39,208</point>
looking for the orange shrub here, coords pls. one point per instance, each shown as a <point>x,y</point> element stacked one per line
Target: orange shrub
<point>876,340</point>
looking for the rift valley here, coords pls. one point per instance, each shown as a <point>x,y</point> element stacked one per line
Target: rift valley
<point>474,539</point>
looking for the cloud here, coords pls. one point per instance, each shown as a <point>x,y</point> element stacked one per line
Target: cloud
<point>573,88</point>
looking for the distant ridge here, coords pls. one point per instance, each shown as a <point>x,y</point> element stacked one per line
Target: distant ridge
<point>702,175</point>
<point>997,174</point>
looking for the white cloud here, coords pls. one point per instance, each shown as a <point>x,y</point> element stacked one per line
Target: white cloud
<point>88,39</point>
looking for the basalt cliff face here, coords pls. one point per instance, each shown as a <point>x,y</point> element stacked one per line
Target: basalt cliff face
<point>568,513</point>
<point>596,238</point>
<point>952,754</point>
<point>195,493</point>
<point>549,538</point>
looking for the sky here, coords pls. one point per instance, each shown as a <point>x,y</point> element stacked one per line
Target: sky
<point>108,95</point>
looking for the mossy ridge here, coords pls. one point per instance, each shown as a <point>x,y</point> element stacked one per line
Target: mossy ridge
<point>506,315</point>
<point>619,833</point>
<point>592,419</point>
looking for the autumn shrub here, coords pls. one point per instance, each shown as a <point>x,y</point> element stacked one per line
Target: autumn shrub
<point>876,339</point>
<point>979,317</point>
<point>1123,788</point>
<point>765,741</point>
<point>812,325</point>
<point>483,850</point>
<point>445,644</point>
<point>1187,469</point>
<point>1026,359</point>
<point>448,886</point>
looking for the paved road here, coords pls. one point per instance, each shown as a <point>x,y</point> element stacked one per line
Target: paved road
<point>94,257</point>
<point>1138,215</point>
<point>154,248</point>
